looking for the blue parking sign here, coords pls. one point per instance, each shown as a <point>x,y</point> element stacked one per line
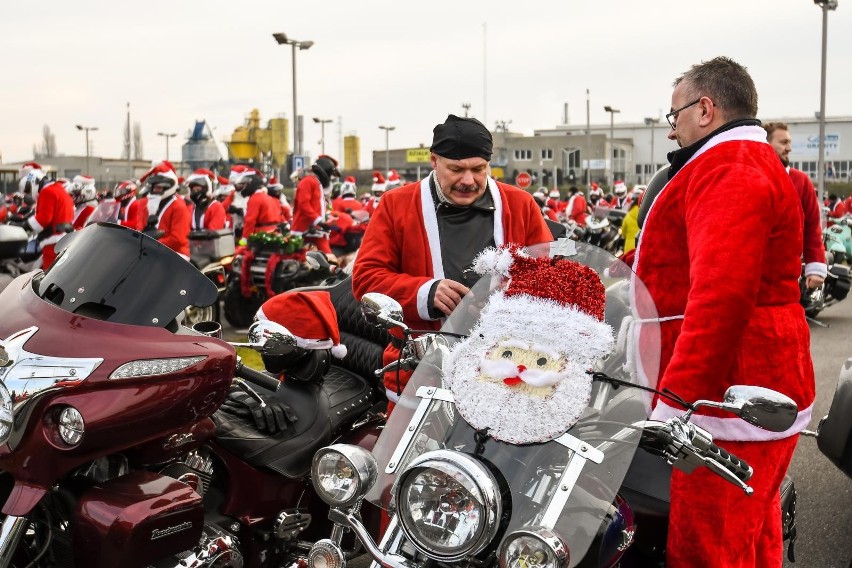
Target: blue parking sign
<point>298,163</point>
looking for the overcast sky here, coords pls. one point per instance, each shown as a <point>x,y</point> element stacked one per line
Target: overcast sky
<point>399,63</point>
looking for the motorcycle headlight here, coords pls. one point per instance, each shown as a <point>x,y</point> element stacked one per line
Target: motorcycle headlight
<point>342,474</point>
<point>533,547</point>
<point>449,505</point>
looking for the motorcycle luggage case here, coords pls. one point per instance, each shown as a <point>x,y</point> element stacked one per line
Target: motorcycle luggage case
<point>211,245</point>
<point>840,285</point>
<point>13,241</point>
<point>135,520</point>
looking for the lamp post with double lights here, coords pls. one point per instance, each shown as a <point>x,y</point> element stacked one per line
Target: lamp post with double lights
<point>652,122</point>
<point>322,122</point>
<point>167,135</point>
<point>387,130</point>
<point>611,112</point>
<point>825,5</point>
<point>282,39</point>
<point>87,129</point>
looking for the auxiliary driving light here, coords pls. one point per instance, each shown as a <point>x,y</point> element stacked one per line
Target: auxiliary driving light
<point>325,554</point>
<point>342,474</point>
<point>533,547</point>
<point>71,426</point>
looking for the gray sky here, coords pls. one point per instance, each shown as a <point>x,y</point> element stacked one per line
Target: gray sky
<point>390,63</point>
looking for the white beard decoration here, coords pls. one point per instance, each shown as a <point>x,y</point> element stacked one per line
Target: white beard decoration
<point>522,373</point>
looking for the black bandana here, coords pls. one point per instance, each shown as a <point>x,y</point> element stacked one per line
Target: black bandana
<point>460,138</point>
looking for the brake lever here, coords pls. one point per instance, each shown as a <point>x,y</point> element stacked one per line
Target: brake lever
<point>246,388</point>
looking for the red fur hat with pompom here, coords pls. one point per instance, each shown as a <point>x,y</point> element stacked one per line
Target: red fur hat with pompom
<point>309,316</point>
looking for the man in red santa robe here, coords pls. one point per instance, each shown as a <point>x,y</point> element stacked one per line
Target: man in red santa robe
<point>422,239</point>
<point>722,265</point>
<point>85,197</point>
<point>167,212</point>
<point>205,212</point>
<point>54,209</point>
<point>309,207</point>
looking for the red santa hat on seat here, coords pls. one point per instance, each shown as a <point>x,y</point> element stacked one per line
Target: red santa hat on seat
<point>309,316</point>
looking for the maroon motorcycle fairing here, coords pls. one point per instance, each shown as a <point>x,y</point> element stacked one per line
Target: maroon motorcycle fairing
<point>119,414</point>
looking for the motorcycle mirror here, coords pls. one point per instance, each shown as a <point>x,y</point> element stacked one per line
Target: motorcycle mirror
<point>765,408</point>
<point>381,311</point>
<point>268,335</point>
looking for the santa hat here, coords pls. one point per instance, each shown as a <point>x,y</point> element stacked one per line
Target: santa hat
<point>202,176</point>
<point>379,183</point>
<point>222,180</point>
<point>554,193</point>
<point>620,188</point>
<point>348,187</point>
<point>32,168</point>
<point>164,168</point>
<point>393,180</point>
<point>236,171</point>
<point>554,302</point>
<point>309,316</point>
<point>81,181</point>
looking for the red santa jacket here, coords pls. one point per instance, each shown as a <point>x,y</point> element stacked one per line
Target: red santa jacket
<point>82,214</point>
<point>813,251</point>
<point>134,214</point>
<point>213,218</point>
<point>263,213</point>
<point>722,265</point>
<point>308,204</point>
<point>344,203</point>
<point>174,220</point>
<point>575,210</point>
<point>401,254</point>
<point>54,207</point>
<point>340,222</point>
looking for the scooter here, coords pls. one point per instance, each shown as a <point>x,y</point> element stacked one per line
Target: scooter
<point>838,240</point>
<point>113,448</point>
<point>456,495</point>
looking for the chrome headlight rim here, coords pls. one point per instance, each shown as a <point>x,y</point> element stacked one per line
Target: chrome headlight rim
<point>550,541</point>
<point>482,479</point>
<point>362,463</point>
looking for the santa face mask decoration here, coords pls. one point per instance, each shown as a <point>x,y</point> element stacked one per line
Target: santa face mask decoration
<point>522,373</point>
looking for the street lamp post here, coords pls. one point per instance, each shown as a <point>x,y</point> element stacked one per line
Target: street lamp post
<point>387,130</point>
<point>87,129</point>
<point>652,122</point>
<point>322,122</point>
<point>825,5</point>
<point>611,112</point>
<point>167,135</point>
<point>282,39</point>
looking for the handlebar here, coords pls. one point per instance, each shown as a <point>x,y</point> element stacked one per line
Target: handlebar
<point>256,378</point>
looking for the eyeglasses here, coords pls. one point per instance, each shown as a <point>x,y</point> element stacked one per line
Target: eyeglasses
<point>671,118</point>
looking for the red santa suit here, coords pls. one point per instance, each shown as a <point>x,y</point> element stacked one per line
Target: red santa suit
<point>212,219</point>
<point>400,255</point>
<point>344,203</point>
<point>836,211</point>
<point>575,210</point>
<point>813,250</point>
<point>340,222</point>
<point>174,221</point>
<point>82,214</point>
<point>53,216</point>
<point>309,209</point>
<point>263,213</point>
<point>722,265</point>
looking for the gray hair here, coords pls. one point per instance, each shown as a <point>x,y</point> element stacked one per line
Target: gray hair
<point>726,83</point>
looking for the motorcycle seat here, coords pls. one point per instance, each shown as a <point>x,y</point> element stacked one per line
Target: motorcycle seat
<point>323,411</point>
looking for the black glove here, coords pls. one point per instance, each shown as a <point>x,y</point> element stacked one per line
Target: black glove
<point>17,221</point>
<point>272,418</point>
<point>234,210</point>
<point>323,226</point>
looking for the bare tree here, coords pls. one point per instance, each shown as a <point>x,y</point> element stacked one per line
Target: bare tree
<point>137,141</point>
<point>47,147</point>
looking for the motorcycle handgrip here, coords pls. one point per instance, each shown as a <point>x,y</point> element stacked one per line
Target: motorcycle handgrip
<point>256,377</point>
<point>729,461</point>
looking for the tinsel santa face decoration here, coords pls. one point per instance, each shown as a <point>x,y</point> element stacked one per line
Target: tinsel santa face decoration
<point>522,373</point>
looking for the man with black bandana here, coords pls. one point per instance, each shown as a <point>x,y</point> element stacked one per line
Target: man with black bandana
<point>720,256</point>
<point>424,235</point>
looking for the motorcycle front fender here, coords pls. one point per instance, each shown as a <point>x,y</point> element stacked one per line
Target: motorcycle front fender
<point>834,438</point>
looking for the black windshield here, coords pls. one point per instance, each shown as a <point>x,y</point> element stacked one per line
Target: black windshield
<point>116,274</point>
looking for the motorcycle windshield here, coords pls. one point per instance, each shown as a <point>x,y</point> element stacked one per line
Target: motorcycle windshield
<point>105,212</point>
<point>116,274</point>
<point>566,483</point>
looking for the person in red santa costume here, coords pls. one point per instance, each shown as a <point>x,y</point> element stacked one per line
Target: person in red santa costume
<point>263,214</point>
<point>168,216</point>
<point>204,212</point>
<point>378,188</point>
<point>421,241</point>
<point>347,200</point>
<point>778,136</point>
<point>132,212</point>
<point>576,209</point>
<point>276,192</point>
<point>85,197</point>
<point>54,209</point>
<point>309,207</point>
<point>620,200</point>
<point>722,265</point>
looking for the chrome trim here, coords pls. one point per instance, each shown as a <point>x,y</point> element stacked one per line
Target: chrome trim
<point>361,461</point>
<point>354,523</point>
<point>426,394</point>
<point>10,535</point>
<point>482,478</point>
<point>569,478</point>
<point>585,450</point>
<point>550,539</point>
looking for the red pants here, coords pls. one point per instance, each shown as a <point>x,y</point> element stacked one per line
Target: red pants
<point>714,524</point>
<point>48,255</point>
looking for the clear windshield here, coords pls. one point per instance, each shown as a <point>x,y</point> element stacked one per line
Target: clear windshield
<point>105,212</point>
<point>540,475</point>
<point>116,274</point>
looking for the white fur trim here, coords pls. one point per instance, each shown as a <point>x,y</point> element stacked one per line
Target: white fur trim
<point>499,234</point>
<point>52,239</point>
<point>494,261</point>
<point>735,429</point>
<point>423,300</point>
<point>816,269</point>
<point>339,351</point>
<point>37,227</point>
<point>430,222</point>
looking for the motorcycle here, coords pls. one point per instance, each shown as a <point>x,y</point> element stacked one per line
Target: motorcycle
<point>601,230</point>
<point>834,289</point>
<point>458,495</point>
<point>211,252</point>
<point>13,247</point>
<point>838,240</point>
<point>269,264</point>
<point>115,451</point>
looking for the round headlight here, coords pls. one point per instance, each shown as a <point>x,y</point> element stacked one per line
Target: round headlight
<point>449,505</point>
<point>342,474</point>
<point>6,414</point>
<point>71,426</point>
<point>533,547</point>
<point>326,554</point>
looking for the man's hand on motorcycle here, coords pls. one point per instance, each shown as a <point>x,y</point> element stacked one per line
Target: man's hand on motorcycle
<point>813,281</point>
<point>448,294</point>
